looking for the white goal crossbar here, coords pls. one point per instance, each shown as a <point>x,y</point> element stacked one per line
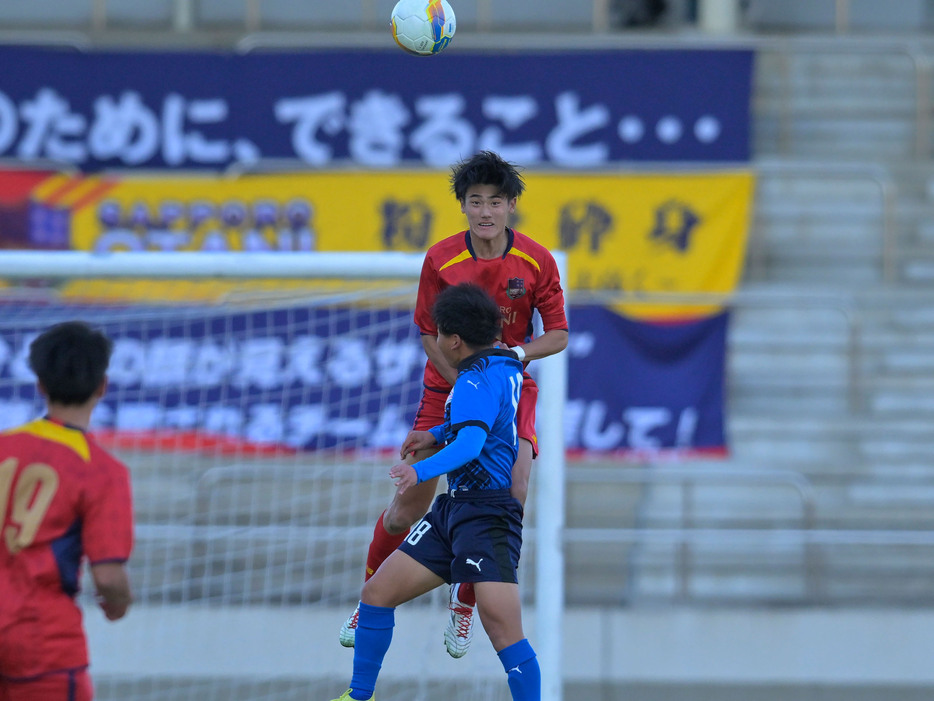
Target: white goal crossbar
<point>549,475</point>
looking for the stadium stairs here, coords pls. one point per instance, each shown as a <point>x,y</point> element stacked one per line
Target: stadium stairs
<point>831,351</point>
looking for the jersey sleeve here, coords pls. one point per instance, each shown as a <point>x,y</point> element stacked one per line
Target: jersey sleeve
<point>429,285</point>
<point>108,517</point>
<point>467,446</point>
<point>549,297</point>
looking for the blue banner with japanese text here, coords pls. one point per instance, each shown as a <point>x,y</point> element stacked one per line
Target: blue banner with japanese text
<point>302,378</point>
<point>640,387</point>
<point>378,109</point>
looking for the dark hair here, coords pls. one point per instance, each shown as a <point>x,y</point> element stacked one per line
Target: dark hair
<point>486,168</point>
<point>70,359</point>
<point>470,312</point>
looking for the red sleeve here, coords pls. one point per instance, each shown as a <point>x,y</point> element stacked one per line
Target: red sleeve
<point>549,297</point>
<point>429,285</point>
<point>107,530</point>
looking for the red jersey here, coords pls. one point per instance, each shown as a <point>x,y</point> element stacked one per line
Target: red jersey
<point>62,498</point>
<point>523,279</point>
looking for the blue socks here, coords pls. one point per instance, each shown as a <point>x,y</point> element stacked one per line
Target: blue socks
<point>522,671</point>
<point>374,634</point>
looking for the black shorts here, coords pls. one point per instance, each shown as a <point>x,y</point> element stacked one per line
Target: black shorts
<point>473,536</point>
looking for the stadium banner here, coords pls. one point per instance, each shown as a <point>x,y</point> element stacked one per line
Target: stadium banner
<point>373,108</point>
<point>198,378</point>
<point>673,233</point>
<point>642,388</point>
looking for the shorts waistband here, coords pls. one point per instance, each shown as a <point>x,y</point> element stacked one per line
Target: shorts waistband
<point>478,494</point>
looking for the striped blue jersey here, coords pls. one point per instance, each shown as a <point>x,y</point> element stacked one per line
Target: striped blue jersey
<point>486,395</point>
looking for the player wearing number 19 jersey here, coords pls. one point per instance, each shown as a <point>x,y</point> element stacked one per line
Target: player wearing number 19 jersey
<point>62,499</point>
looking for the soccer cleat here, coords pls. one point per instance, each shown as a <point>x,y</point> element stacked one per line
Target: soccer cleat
<point>347,697</point>
<point>459,633</point>
<point>349,631</point>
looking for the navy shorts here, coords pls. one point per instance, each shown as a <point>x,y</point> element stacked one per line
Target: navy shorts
<point>472,536</point>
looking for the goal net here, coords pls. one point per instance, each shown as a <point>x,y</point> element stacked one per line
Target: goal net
<point>259,402</point>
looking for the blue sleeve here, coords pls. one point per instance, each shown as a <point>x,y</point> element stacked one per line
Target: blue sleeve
<point>464,448</point>
<point>438,433</point>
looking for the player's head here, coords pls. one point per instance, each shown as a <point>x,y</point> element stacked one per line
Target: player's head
<point>70,359</point>
<point>487,168</point>
<point>468,311</point>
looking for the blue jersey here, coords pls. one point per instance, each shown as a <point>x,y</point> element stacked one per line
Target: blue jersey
<point>486,395</point>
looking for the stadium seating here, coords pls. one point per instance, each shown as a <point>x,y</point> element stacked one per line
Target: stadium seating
<point>833,335</point>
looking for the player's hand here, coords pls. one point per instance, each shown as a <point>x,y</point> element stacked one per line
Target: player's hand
<point>415,441</point>
<point>113,610</point>
<point>404,475</point>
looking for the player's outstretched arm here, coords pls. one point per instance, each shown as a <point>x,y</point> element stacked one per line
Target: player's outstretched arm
<point>113,588</point>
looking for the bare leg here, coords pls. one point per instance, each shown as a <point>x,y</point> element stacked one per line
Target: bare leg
<point>390,529</point>
<point>399,579</point>
<point>521,471</point>
<point>500,612</point>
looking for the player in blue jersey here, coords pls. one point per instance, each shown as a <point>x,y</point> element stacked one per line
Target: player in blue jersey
<point>473,532</point>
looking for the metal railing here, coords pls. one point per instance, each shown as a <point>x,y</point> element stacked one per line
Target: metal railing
<point>872,173</point>
<point>817,546</point>
<point>687,534</point>
<point>914,51</point>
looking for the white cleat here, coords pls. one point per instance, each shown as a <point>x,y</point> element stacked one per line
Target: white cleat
<point>459,633</point>
<point>349,629</point>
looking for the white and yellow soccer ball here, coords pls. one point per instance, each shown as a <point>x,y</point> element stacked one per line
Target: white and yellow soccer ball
<point>423,27</point>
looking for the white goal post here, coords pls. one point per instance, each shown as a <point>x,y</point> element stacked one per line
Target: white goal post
<point>544,530</point>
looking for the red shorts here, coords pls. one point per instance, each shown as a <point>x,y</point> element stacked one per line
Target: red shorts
<point>74,685</point>
<point>431,411</point>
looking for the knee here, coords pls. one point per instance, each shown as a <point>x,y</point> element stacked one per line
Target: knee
<point>370,594</point>
<point>397,521</point>
<point>406,510</point>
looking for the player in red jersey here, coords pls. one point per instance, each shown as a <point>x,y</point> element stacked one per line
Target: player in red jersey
<point>522,276</point>
<point>62,498</point>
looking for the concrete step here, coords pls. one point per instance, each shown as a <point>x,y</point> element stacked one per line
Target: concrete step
<point>833,140</point>
<point>919,271</point>
<point>910,401</point>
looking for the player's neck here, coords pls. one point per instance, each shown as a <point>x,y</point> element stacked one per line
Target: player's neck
<point>488,249</point>
<point>468,351</point>
<point>77,416</point>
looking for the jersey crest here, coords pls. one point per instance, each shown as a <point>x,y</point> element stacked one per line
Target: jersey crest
<point>515,287</point>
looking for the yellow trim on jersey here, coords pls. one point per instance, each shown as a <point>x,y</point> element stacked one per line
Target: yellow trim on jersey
<point>511,252</point>
<point>526,256</point>
<point>49,430</point>
<point>456,259</point>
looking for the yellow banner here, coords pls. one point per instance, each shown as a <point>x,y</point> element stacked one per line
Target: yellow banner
<point>648,233</point>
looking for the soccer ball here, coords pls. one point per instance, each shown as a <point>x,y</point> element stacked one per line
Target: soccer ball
<point>423,27</point>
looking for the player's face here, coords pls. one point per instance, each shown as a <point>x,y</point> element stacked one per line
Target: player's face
<point>487,211</point>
